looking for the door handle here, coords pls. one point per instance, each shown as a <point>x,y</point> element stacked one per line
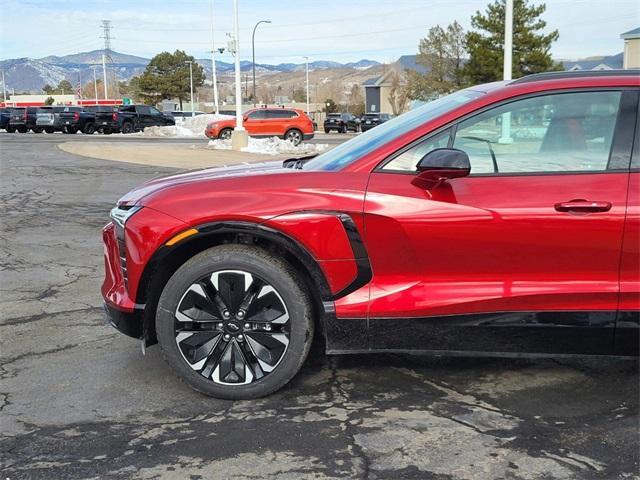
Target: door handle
<point>583,206</point>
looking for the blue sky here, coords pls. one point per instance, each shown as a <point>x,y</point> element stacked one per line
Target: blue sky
<point>341,30</point>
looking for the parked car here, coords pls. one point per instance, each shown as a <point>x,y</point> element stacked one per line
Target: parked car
<point>497,220</point>
<point>104,116</point>
<point>47,118</point>
<point>341,122</point>
<point>23,119</point>
<point>129,118</point>
<point>182,115</point>
<point>5,116</point>
<point>370,120</point>
<point>77,119</point>
<point>287,123</point>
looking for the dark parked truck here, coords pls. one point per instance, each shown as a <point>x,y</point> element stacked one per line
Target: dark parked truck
<point>23,119</point>
<point>105,117</point>
<point>131,118</point>
<point>76,119</point>
<point>5,116</point>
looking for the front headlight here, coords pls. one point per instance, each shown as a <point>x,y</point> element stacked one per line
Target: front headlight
<point>120,214</point>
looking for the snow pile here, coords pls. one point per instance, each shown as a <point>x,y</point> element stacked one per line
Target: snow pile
<point>272,146</point>
<point>189,127</point>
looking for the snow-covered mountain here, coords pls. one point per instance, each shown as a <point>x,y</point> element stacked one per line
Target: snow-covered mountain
<point>31,74</point>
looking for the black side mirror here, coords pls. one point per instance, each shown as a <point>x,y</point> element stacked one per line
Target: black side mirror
<point>439,165</point>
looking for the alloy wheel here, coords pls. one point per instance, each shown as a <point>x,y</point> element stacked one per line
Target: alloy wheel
<point>232,327</point>
<point>294,137</point>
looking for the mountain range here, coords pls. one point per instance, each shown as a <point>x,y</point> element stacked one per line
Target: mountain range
<point>31,74</point>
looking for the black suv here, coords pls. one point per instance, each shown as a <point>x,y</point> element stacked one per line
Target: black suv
<point>370,120</point>
<point>341,122</point>
<point>131,118</point>
<point>23,119</point>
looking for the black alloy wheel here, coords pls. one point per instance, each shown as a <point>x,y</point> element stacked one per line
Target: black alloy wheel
<point>235,322</point>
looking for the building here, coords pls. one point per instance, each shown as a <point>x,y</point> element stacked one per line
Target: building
<point>631,48</point>
<point>378,90</point>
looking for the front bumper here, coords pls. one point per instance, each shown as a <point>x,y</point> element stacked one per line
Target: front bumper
<point>367,126</point>
<point>129,323</point>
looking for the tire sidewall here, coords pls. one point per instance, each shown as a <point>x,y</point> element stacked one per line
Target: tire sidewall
<point>269,268</point>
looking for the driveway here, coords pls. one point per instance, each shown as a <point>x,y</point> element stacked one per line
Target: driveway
<point>78,399</point>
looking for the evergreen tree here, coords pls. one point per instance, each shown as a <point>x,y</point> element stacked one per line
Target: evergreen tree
<point>531,47</point>
<point>66,87</point>
<point>167,76</point>
<point>441,55</point>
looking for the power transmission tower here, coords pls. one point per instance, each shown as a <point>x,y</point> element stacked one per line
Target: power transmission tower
<point>106,58</point>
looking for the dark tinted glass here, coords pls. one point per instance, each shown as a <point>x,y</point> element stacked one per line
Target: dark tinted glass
<point>271,114</point>
<point>257,115</point>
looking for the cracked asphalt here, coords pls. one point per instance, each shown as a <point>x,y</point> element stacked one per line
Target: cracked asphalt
<point>78,399</point>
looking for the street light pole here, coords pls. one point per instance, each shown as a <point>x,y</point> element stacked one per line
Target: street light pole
<point>213,65</point>
<point>507,67</point>
<point>95,84</point>
<point>191,85</point>
<point>253,53</point>
<point>307,75</point>
<point>239,137</point>
<point>104,76</point>
<point>4,89</point>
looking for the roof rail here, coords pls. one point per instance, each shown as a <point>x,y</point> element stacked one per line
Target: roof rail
<point>575,73</point>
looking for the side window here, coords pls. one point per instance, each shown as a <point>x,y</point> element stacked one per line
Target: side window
<point>278,114</point>
<point>154,111</point>
<point>144,110</point>
<point>564,132</point>
<point>256,115</point>
<point>408,160</point>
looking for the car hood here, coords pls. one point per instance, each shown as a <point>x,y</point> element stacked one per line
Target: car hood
<point>137,195</point>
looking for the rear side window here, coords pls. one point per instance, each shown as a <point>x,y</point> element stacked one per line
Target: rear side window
<point>566,132</point>
<point>277,114</point>
<point>257,115</point>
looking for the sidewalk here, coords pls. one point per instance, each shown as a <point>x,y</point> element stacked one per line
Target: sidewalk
<point>184,156</point>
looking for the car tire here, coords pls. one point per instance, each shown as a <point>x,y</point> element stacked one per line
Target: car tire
<point>217,364</point>
<point>225,134</point>
<point>344,129</point>
<point>70,130</point>
<point>326,130</point>
<point>22,129</point>
<point>37,129</point>
<point>11,129</point>
<point>127,128</point>
<point>89,128</point>
<point>49,130</point>
<point>294,136</point>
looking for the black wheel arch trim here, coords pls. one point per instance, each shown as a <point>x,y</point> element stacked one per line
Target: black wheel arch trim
<point>208,231</point>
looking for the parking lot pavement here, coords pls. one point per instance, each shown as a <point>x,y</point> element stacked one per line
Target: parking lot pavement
<point>78,400</point>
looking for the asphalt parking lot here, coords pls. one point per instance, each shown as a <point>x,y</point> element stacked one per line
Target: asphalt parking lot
<point>78,399</point>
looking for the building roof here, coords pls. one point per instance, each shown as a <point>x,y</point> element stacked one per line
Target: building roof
<point>610,62</point>
<point>635,33</point>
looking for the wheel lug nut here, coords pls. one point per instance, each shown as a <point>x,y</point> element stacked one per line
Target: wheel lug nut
<point>221,325</point>
<point>240,337</point>
<point>267,327</point>
<point>226,314</point>
<point>227,337</point>
<point>247,326</point>
<point>240,314</point>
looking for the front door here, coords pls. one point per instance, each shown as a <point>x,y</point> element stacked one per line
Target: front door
<point>523,254</point>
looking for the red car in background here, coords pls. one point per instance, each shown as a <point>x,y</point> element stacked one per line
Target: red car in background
<point>503,219</point>
<point>288,123</point>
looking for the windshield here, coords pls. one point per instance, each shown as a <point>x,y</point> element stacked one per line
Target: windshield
<point>350,151</point>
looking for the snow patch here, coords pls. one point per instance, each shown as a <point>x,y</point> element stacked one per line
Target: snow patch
<point>189,127</point>
<point>272,146</point>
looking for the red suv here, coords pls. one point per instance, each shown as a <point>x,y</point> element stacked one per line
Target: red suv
<point>503,219</point>
<point>287,123</point>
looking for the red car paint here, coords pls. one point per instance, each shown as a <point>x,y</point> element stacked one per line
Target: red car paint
<point>476,244</point>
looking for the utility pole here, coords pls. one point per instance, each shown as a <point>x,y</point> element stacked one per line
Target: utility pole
<point>4,89</point>
<point>104,76</point>
<point>239,138</point>
<point>106,55</point>
<point>306,59</point>
<point>213,64</point>
<point>253,54</point>
<point>507,66</point>
<point>191,84</point>
<point>95,84</point>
